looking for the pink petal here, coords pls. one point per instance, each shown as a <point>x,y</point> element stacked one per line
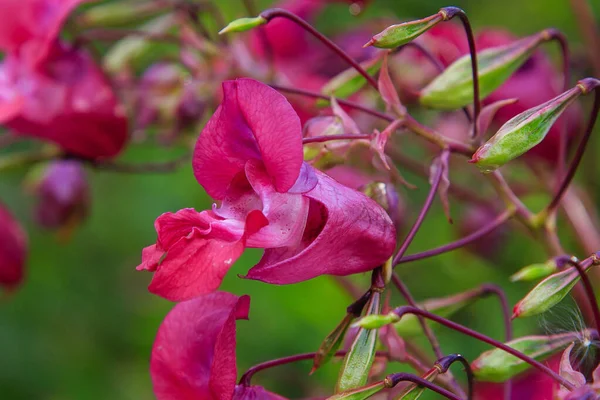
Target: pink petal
<point>193,356</point>
<point>254,122</point>
<point>346,233</point>
<point>10,108</point>
<point>151,256</point>
<point>254,393</point>
<point>285,212</point>
<point>13,250</point>
<point>307,180</point>
<point>567,371</point>
<point>193,266</point>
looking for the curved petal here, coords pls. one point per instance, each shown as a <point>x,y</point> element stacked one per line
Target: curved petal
<point>285,212</point>
<point>346,233</point>
<point>13,250</point>
<point>254,122</point>
<point>254,393</point>
<point>193,356</point>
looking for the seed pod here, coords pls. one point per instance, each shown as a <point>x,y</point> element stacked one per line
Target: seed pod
<point>453,88</point>
<point>349,81</point>
<point>117,13</point>
<point>361,393</point>
<point>243,24</point>
<point>498,366</point>
<point>534,271</point>
<point>522,132</point>
<point>547,293</point>
<point>397,35</point>
<point>359,359</point>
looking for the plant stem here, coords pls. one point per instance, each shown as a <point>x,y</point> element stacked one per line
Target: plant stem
<point>247,376</point>
<point>401,311</point>
<point>22,159</point>
<point>394,379</point>
<point>279,12</point>
<point>423,213</point>
<point>451,13</point>
<point>478,234</point>
<point>589,31</point>
<point>589,290</point>
<point>320,139</point>
<point>590,84</point>
<point>445,363</point>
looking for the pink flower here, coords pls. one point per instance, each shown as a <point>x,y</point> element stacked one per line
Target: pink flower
<point>193,356</point>
<point>51,91</point>
<point>63,195</point>
<point>13,250</point>
<point>249,157</point>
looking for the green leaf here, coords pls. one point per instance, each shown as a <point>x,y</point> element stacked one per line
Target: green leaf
<point>453,88</point>
<point>497,365</point>
<point>332,343</point>
<point>359,394</point>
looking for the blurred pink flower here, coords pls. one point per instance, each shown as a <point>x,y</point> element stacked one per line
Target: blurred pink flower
<point>193,356</point>
<point>13,250</point>
<point>249,157</point>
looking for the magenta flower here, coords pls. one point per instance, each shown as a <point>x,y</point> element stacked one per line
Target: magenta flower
<point>51,91</point>
<point>194,351</point>
<point>63,195</point>
<point>249,157</point>
<point>13,250</point>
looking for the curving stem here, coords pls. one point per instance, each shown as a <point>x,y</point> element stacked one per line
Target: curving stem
<point>394,379</point>
<point>279,12</point>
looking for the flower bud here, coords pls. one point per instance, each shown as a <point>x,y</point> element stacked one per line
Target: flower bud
<point>243,24</point>
<point>498,366</point>
<point>397,35</point>
<point>349,81</point>
<point>63,195</point>
<point>361,393</point>
<point>535,271</point>
<point>523,132</point>
<point>453,88</point>
<point>13,250</point>
<point>547,293</point>
<point>359,359</point>
<point>376,321</point>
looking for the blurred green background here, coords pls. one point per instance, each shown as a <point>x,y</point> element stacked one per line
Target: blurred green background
<point>82,325</point>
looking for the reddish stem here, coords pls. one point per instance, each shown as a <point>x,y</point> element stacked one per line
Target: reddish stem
<point>394,379</point>
<point>591,84</point>
<point>320,139</point>
<point>401,311</point>
<point>279,12</point>
<point>484,230</point>
<point>446,362</point>
<point>589,289</point>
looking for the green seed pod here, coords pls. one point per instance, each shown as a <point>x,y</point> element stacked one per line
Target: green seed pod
<point>498,366</point>
<point>547,293</point>
<point>376,321</point>
<point>349,81</point>
<point>534,271</point>
<point>453,88</point>
<point>522,132</point>
<point>332,343</point>
<point>361,393</point>
<point>118,13</point>
<point>359,359</point>
<point>243,24</point>
<point>397,35</point>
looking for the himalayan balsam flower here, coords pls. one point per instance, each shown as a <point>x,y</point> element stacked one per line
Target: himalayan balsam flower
<point>193,356</point>
<point>249,157</point>
<point>13,250</point>
<point>52,91</point>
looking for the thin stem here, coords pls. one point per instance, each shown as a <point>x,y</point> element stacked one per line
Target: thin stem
<point>424,210</point>
<point>247,376</point>
<point>16,160</point>
<point>589,31</point>
<point>446,362</point>
<point>320,139</point>
<point>589,290</point>
<point>401,311</point>
<point>580,149</point>
<point>452,12</point>
<point>279,12</point>
<point>394,379</point>
<point>478,234</point>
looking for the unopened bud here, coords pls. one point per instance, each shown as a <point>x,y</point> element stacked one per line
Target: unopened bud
<point>397,35</point>
<point>535,271</point>
<point>243,24</point>
<point>547,293</point>
<point>453,88</point>
<point>522,132</point>
<point>376,321</point>
<point>498,366</point>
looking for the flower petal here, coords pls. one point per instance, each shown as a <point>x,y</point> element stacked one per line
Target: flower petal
<point>193,356</point>
<point>254,122</point>
<point>13,250</point>
<point>346,233</point>
<point>254,393</point>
